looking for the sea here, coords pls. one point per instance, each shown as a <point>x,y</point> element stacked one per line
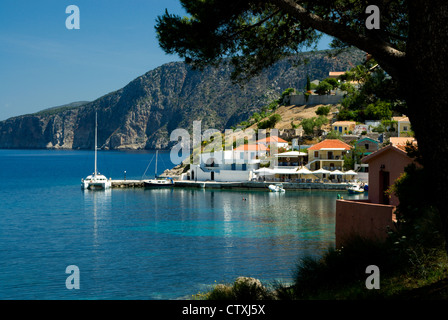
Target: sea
<point>58,242</point>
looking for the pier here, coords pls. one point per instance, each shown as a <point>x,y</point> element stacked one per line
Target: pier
<point>127,184</point>
<point>256,185</point>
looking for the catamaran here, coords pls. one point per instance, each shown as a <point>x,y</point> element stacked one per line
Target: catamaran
<point>96,180</point>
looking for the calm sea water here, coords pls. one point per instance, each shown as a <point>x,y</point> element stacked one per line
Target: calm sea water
<point>143,244</point>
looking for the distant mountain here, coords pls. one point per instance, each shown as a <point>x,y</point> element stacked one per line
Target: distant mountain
<point>143,113</point>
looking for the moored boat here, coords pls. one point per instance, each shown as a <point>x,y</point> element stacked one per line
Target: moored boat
<point>356,188</point>
<point>156,182</point>
<point>96,181</point>
<point>276,187</point>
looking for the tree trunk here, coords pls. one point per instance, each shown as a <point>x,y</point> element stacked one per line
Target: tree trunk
<point>425,85</point>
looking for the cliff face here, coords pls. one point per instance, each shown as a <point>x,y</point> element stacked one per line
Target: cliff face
<point>142,114</point>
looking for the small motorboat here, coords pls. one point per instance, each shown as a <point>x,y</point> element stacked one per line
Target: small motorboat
<point>276,188</point>
<point>356,189</point>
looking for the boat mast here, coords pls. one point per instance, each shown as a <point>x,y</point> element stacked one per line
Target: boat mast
<point>96,138</point>
<point>155,174</point>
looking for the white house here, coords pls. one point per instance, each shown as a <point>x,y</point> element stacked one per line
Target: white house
<point>223,166</point>
<point>281,143</point>
<point>248,152</point>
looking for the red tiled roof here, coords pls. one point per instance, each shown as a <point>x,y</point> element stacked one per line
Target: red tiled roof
<point>330,144</point>
<point>251,147</point>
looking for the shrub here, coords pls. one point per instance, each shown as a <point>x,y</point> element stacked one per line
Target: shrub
<point>343,267</point>
<point>323,88</point>
<point>243,288</point>
<point>323,110</point>
<point>271,122</point>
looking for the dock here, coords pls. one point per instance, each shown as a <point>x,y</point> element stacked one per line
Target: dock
<point>127,184</point>
<point>256,185</point>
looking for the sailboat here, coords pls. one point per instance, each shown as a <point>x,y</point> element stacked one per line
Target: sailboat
<point>157,183</point>
<point>96,180</point>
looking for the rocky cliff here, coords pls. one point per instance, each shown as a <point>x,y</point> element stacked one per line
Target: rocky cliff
<point>142,114</point>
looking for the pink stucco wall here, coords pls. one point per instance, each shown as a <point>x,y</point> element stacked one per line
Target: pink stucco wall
<point>394,162</point>
<point>363,218</point>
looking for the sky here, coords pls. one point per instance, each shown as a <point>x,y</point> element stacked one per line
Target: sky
<point>44,64</point>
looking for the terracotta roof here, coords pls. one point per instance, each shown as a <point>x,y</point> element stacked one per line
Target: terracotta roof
<point>251,147</point>
<point>274,139</point>
<point>330,144</point>
<point>335,73</point>
<point>396,141</point>
<point>341,123</point>
<point>400,118</point>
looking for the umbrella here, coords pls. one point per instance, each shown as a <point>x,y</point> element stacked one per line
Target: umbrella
<point>264,171</point>
<point>350,172</point>
<point>304,170</point>
<point>321,171</point>
<point>337,172</point>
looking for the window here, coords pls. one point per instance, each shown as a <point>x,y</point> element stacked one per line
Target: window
<point>366,146</point>
<point>316,154</point>
<point>405,128</point>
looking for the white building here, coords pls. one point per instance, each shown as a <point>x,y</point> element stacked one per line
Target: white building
<point>281,143</point>
<point>225,166</point>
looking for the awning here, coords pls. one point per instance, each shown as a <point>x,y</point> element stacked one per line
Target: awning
<point>304,171</point>
<point>264,171</point>
<point>321,171</point>
<point>290,154</point>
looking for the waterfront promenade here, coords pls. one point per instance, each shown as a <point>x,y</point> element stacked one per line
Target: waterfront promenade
<point>256,185</point>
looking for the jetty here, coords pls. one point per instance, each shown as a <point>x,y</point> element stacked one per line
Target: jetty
<point>256,185</point>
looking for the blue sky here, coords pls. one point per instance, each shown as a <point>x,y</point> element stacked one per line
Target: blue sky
<point>43,64</point>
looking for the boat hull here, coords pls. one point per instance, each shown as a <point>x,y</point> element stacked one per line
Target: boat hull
<point>158,184</point>
<point>98,182</point>
<point>273,188</point>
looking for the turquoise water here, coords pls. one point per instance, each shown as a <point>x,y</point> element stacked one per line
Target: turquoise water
<point>143,244</point>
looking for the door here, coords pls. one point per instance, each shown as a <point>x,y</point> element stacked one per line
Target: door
<point>212,176</point>
<point>384,185</point>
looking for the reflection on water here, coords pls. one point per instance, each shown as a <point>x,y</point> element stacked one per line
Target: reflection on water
<point>99,201</point>
<point>145,243</point>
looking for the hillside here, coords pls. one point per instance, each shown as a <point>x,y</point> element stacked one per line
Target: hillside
<point>143,113</point>
<point>295,114</point>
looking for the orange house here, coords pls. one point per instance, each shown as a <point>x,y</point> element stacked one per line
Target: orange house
<point>371,218</point>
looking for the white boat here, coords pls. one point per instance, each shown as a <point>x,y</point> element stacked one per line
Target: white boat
<point>168,182</point>
<point>96,181</point>
<point>276,188</point>
<point>158,183</point>
<point>356,188</point>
